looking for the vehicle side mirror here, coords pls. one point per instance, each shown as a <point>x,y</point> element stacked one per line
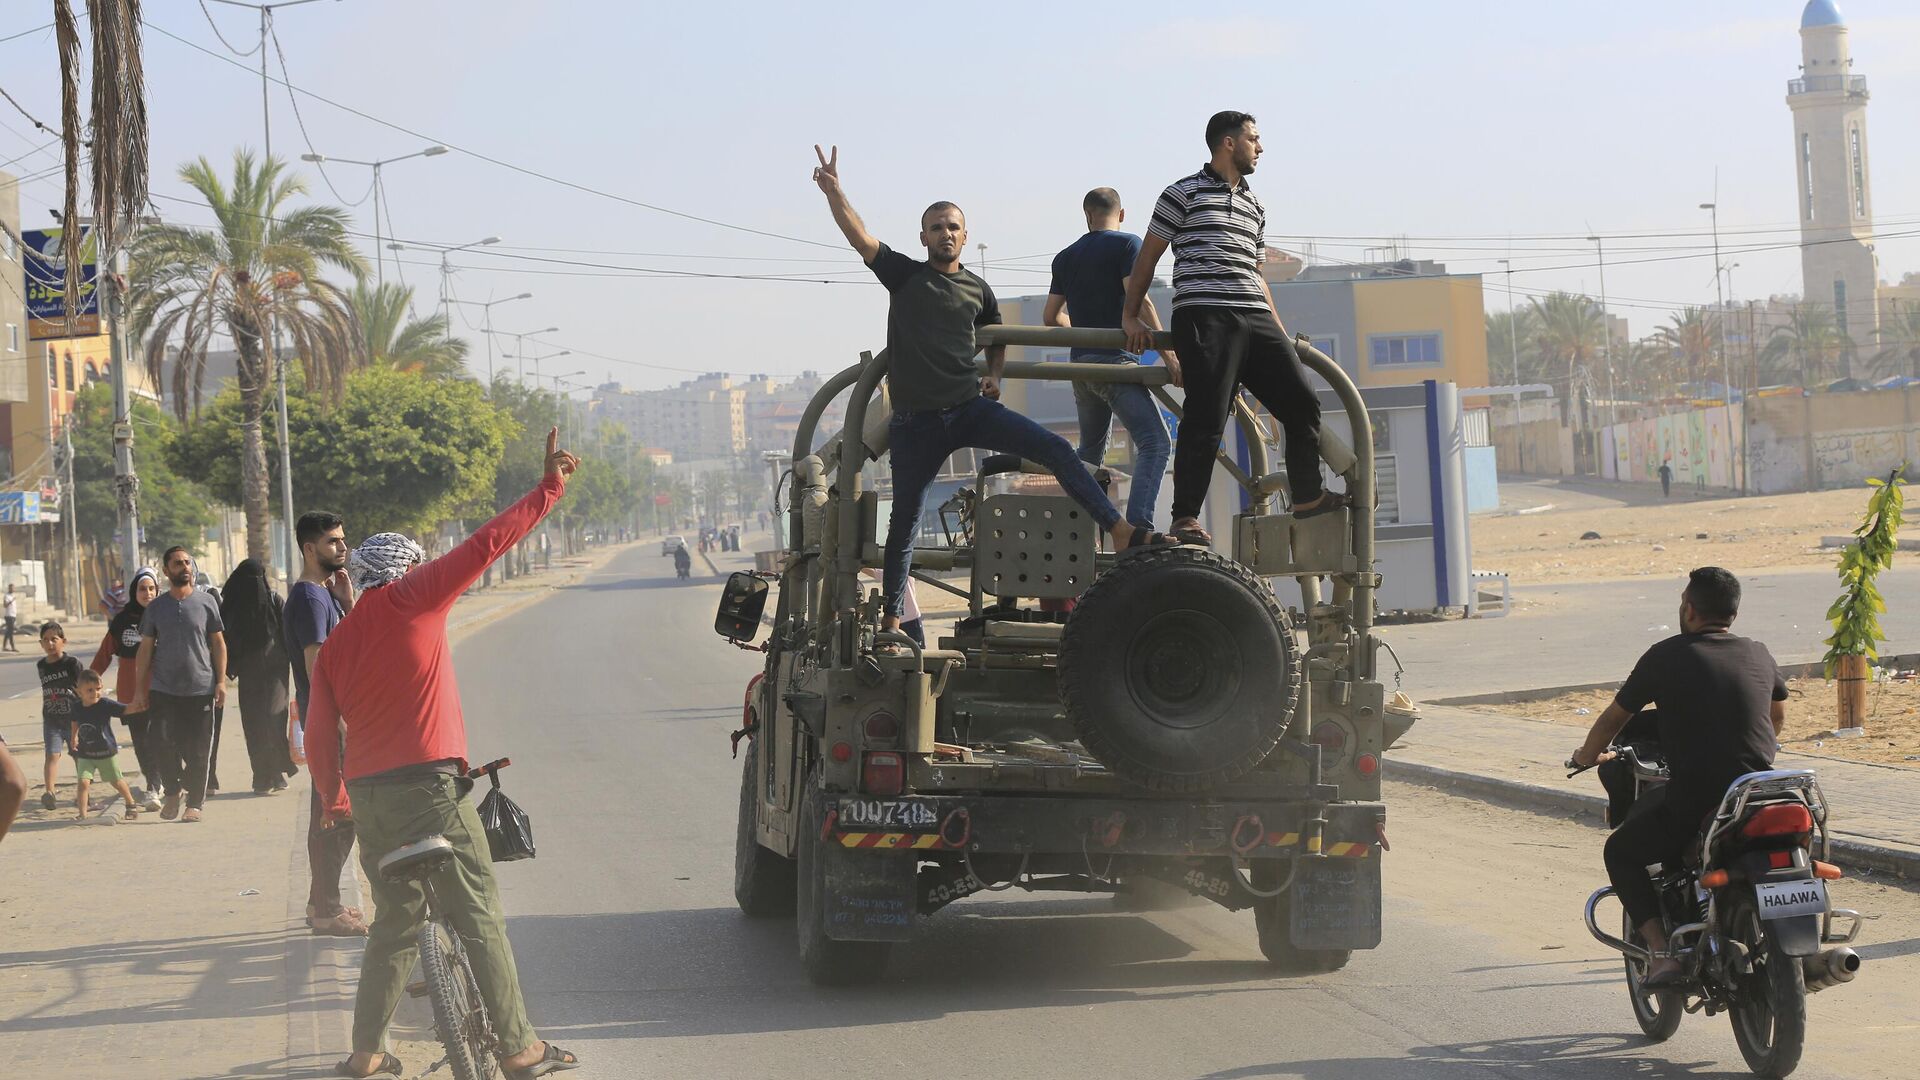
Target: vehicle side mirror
<point>741,603</point>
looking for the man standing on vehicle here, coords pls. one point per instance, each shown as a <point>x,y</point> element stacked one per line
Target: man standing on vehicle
<point>1089,290</point>
<point>1723,702</point>
<point>1224,324</point>
<point>940,401</point>
<point>387,670</point>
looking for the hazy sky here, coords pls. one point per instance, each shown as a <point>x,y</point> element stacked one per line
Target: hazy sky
<point>1455,125</point>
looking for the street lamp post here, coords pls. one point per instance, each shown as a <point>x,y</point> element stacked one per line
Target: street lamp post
<point>1606,332</point>
<point>1726,375</point>
<point>379,259</point>
<point>520,346</point>
<point>486,314</point>
<point>1513,323</point>
<point>446,277</point>
<point>536,363</point>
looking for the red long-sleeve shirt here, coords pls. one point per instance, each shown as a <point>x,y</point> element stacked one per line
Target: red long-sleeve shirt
<point>387,669</point>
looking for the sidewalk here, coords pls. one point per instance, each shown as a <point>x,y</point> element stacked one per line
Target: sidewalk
<point>184,952</point>
<point>1875,809</point>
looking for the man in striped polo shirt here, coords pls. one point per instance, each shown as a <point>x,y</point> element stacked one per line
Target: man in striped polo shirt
<point>1224,325</point>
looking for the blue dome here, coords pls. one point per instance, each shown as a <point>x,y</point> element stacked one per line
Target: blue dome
<point>1820,13</point>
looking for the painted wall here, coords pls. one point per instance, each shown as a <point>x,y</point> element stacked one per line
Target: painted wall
<point>1832,440</point>
<point>1694,443</point>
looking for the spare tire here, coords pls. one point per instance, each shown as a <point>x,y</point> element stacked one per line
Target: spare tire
<point>1179,670</point>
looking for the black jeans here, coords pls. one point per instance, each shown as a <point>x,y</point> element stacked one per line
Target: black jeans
<point>327,853</point>
<point>1222,349</point>
<point>147,750</point>
<point>188,733</point>
<point>1655,832</point>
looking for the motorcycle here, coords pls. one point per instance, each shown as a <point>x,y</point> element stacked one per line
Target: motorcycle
<point>1746,915</point>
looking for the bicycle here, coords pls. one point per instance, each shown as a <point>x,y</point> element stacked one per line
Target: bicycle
<point>459,1013</point>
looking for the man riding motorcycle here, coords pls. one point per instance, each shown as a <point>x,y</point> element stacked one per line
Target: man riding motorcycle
<point>1723,702</point>
<point>682,562</point>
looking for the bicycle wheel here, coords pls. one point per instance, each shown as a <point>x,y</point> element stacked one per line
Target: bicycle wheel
<point>455,1003</point>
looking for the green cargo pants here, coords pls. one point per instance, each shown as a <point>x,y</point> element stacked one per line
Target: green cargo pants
<point>386,816</point>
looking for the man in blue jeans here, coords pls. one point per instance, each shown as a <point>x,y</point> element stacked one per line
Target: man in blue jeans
<point>1089,289</point>
<point>940,402</point>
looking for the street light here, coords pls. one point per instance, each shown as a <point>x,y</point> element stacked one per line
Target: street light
<point>1726,375</point>
<point>1513,323</point>
<point>379,260</point>
<point>486,311</point>
<point>523,358</point>
<point>446,275</point>
<point>520,345</point>
<point>1606,331</point>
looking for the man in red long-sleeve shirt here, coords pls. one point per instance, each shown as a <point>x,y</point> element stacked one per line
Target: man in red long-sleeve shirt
<point>387,673</point>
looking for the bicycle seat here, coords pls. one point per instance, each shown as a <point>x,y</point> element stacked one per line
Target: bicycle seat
<point>412,860</point>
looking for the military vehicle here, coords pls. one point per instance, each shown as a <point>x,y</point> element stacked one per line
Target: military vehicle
<point>1174,728</point>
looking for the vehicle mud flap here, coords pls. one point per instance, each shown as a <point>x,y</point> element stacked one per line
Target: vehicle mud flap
<point>1798,935</point>
<point>867,895</point>
<point>1336,904</point>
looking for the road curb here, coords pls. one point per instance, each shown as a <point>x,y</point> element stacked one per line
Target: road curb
<point>712,568</point>
<point>1539,797</point>
<point>1804,670</point>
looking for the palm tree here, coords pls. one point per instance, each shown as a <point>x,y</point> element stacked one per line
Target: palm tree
<point>1810,342</point>
<point>1568,330</point>
<point>257,268</point>
<point>1644,368</point>
<point>396,339</point>
<point>1510,343</point>
<point>1900,333</point>
<point>1693,337</point>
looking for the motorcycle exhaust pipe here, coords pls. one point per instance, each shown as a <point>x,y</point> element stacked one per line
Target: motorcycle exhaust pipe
<point>1830,968</point>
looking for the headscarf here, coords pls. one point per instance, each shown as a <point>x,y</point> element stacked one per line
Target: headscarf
<point>381,559</point>
<point>128,617</point>
<point>249,608</point>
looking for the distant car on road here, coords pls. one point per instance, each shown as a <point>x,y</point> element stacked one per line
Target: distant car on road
<point>672,544</point>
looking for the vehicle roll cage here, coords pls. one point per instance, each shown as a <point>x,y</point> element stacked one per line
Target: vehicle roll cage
<point>1355,464</point>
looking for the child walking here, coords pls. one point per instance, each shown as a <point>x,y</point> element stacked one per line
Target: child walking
<point>95,750</point>
<point>59,673</point>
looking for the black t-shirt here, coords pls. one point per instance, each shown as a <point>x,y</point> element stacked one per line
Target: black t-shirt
<point>57,680</point>
<point>95,721</point>
<point>1091,275</point>
<point>1715,692</point>
<point>930,324</point>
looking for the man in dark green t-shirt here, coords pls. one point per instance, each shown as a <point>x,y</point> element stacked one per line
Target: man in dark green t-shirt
<point>940,401</point>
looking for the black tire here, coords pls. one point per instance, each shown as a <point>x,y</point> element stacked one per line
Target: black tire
<point>1769,1010</point>
<point>1179,669</point>
<point>763,880</point>
<point>458,1016</point>
<point>827,962</point>
<point>1273,920</point>
<point>1659,1013</point>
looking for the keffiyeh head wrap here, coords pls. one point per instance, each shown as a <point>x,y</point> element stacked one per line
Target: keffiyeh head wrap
<point>381,559</point>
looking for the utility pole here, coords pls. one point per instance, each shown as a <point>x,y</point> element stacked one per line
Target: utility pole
<point>78,606</point>
<point>1513,327</point>
<point>1726,375</point>
<point>1606,332</point>
<point>126,483</point>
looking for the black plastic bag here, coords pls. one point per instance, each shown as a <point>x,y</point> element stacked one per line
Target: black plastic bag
<point>509,830</point>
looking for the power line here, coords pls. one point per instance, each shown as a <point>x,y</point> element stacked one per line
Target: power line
<point>491,160</point>
<point>301,121</point>
<point>22,110</point>
<point>223,37</point>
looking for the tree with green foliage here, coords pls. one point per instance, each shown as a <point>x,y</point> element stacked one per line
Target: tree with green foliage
<point>1693,335</point>
<point>403,342</point>
<point>1900,340</point>
<point>1855,616</point>
<point>259,267</point>
<point>1568,332</point>
<point>173,509</point>
<point>1807,346</point>
<point>400,452</point>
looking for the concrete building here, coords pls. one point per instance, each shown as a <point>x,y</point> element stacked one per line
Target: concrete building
<point>716,416</point>
<point>1829,105</point>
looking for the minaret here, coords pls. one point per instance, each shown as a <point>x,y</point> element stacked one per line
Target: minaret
<point>1829,103</point>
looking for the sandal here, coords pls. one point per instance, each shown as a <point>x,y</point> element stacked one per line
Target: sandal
<point>553,1061</point>
<point>1146,540</point>
<point>1333,500</point>
<point>1188,531</point>
<point>388,1065</point>
<point>192,814</point>
<point>341,925</point>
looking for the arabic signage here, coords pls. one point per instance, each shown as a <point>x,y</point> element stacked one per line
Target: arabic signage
<point>44,257</point>
<point>19,508</point>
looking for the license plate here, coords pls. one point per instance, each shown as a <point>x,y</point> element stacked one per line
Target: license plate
<point>887,814</point>
<point>1785,899</point>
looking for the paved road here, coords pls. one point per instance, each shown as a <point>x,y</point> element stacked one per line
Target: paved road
<point>1566,634</point>
<point>615,701</point>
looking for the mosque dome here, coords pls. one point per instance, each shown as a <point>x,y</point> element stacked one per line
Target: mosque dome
<point>1820,13</point>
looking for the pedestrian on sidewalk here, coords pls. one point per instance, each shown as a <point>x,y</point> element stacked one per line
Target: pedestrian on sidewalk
<point>1666,479</point>
<point>59,674</point>
<point>180,679</point>
<point>12,608</point>
<point>315,605</point>
<point>1228,333</point>
<point>122,643</point>
<point>388,671</point>
<point>96,753</point>
<point>1089,290</point>
<point>257,657</point>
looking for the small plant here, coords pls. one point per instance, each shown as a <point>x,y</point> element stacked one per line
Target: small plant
<point>1856,614</point>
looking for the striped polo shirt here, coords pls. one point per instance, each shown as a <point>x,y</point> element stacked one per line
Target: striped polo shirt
<point>1218,235</point>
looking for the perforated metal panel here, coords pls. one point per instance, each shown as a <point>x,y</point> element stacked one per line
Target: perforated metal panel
<point>1039,546</point>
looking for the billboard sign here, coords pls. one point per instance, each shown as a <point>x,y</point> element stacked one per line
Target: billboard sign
<point>45,259</point>
<point>19,508</point>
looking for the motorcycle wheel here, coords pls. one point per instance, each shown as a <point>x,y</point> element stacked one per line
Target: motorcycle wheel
<point>1658,1013</point>
<point>1769,1010</point>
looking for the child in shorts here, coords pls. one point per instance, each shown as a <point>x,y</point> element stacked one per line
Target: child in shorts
<point>58,673</point>
<point>95,750</point>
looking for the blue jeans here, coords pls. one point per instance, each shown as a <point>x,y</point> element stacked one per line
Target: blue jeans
<point>921,441</point>
<point>1139,413</point>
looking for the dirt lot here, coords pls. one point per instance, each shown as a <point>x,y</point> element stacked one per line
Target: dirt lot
<point>1893,727</point>
<point>1659,538</point>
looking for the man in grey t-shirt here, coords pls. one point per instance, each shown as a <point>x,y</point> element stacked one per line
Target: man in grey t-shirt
<point>181,672</point>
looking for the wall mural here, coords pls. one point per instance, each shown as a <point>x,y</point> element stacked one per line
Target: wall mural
<point>1693,443</point>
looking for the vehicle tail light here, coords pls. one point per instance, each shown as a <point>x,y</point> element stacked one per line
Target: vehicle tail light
<point>1779,819</point>
<point>1332,740</point>
<point>1366,764</point>
<point>1713,879</point>
<point>883,773</point>
<point>1826,871</point>
<point>883,725</point>
<point>1779,860</point>
<point>842,752</point>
